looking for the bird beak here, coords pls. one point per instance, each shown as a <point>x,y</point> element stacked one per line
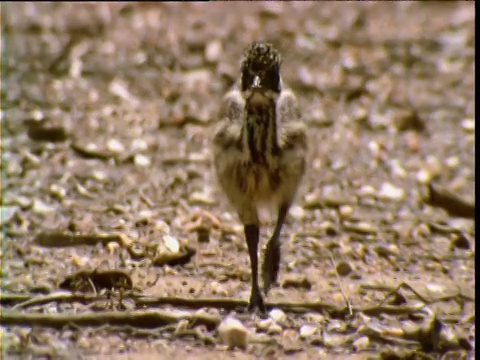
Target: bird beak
<point>256,82</point>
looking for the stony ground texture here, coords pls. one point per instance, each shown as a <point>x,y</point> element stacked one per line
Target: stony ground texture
<point>108,193</point>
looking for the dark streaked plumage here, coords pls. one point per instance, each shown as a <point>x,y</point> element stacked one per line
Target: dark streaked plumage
<point>259,153</point>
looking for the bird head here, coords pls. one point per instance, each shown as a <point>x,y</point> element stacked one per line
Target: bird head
<point>260,70</point>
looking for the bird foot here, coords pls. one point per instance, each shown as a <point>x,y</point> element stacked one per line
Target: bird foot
<point>256,302</point>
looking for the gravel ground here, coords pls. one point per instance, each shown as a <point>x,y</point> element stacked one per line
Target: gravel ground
<point>116,241</point>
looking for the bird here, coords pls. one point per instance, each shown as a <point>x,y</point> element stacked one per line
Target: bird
<point>259,153</point>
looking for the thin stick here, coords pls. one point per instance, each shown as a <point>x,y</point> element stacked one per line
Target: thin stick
<point>137,318</point>
<point>349,305</point>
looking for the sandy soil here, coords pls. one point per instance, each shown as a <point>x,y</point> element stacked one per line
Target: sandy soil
<point>107,116</point>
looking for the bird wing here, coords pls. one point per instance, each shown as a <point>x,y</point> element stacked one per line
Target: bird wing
<point>287,106</point>
<point>232,105</point>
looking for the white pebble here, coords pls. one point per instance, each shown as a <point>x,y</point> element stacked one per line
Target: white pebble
<point>274,329</point>
<point>397,169</point>
<point>6,213</point>
<point>171,243</point>
<point>139,145</point>
<point>277,315</point>
<point>361,343</point>
<point>115,146</point>
<point>297,212</point>
<point>201,198</point>
<point>333,340</point>
<point>213,51</point>
<point>142,160</point>
<point>39,207</point>
<point>433,165</point>
<point>468,125</point>
<point>452,161</point>
<point>436,288</point>
<point>374,147</point>
<point>37,115</point>
<point>99,175</point>
<point>112,246</point>
<point>233,333</point>
<point>366,190</point>
<point>423,176</point>
<point>391,192</point>
<point>145,215</point>
<point>307,330</point>
<point>264,324</point>
<point>57,191</point>
<point>345,211</point>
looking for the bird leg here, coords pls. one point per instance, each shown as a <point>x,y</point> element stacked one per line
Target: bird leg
<point>271,262</point>
<point>252,234</point>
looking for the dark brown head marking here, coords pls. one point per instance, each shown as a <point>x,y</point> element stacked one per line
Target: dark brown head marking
<point>261,60</point>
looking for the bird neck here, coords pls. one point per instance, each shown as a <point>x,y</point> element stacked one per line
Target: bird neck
<point>259,131</point>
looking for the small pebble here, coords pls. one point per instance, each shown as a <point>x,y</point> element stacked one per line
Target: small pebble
<point>139,145</point>
<point>468,125</point>
<point>413,141</point>
<point>142,160</point>
<point>436,288</point>
<point>343,268</point>
<point>99,175</point>
<point>39,207</point>
<point>6,213</point>
<point>391,192</point>
<point>366,190</point>
<point>423,176</point>
<point>361,343</point>
<point>264,324</point>
<point>307,330</point>
<point>452,162</point>
<point>297,212</point>
<point>333,340</point>
<point>213,51</point>
<point>397,169</point>
<point>312,200</point>
<point>274,329</point>
<point>329,227</point>
<point>361,227</point>
<point>233,333</point>
<point>57,191</point>
<point>315,318</point>
<point>80,261</point>
<point>201,198</point>
<point>338,298</point>
<point>171,243</point>
<point>433,165</point>
<point>345,211</point>
<point>115,146</point>
<point>277,315</point>
<point>144,216</point>
<point>112,246</point>
<point>37,115</point>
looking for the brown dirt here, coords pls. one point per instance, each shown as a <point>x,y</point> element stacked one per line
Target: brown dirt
<point>387,90</point>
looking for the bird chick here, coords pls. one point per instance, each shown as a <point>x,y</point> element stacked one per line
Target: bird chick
<point>260,154</point>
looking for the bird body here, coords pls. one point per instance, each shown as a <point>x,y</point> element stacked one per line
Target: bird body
<point>259,153</point>
<point>258,163</point>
